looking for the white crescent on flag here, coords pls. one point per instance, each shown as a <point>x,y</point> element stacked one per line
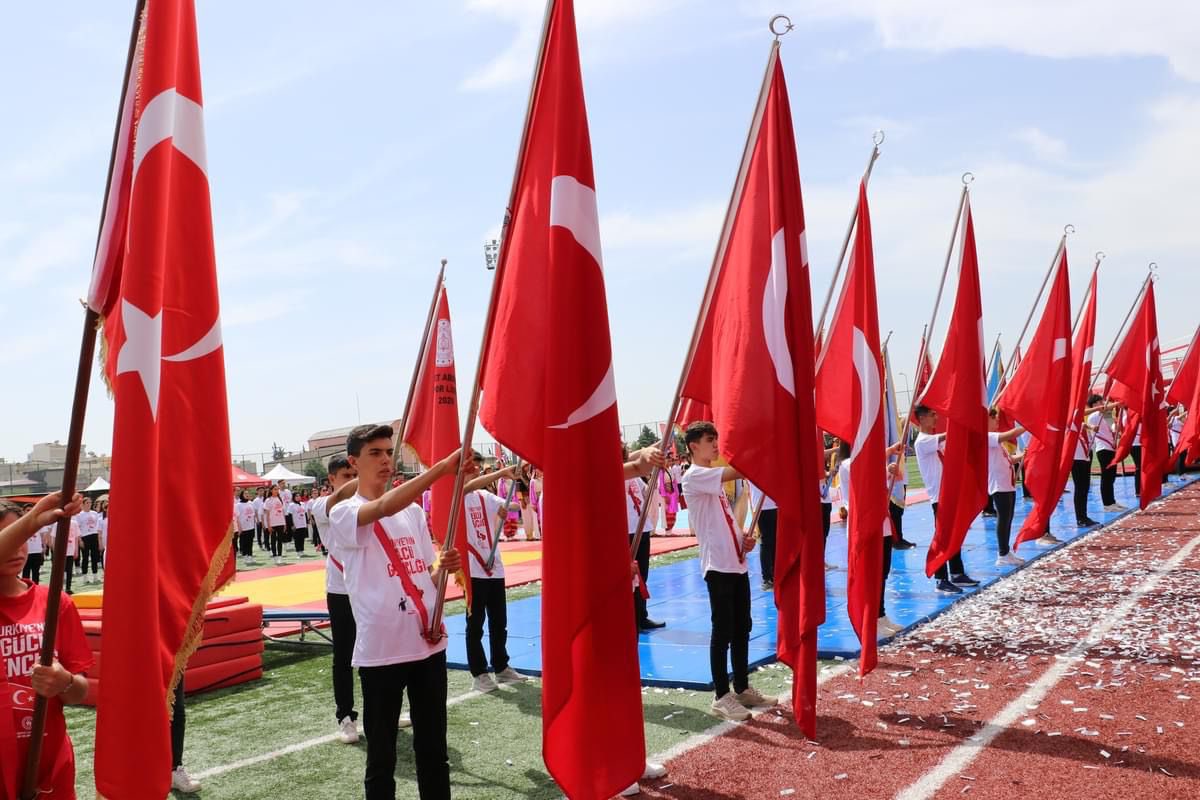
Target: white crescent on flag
<point>868,384</point>
<point>774,310</point>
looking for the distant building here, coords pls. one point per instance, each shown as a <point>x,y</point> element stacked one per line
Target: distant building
<point>51,452</point>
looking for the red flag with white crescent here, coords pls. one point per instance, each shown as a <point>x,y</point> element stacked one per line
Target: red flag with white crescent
<point>170,520</point>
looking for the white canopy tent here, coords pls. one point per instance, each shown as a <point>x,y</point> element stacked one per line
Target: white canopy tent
<point>98,485</point>
<point>282,473</point>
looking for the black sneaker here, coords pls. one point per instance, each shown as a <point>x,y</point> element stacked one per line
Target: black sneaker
<point>1086,522</point>
<point>903,544</point>
<point>987,513</point>
<point>768,585</point>
<point>650,625</point>
<point>946,587</point>
<point>964,580</point>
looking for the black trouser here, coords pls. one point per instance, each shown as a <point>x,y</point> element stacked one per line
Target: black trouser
<point>640,615</point>
<point>826,513</point>
<point>767,520</point>
<point>896,512</point>
<point>33,567</point>
<point>258,528</point>
<point>1136,453</point>
<point>1108,477</point>
<point>298,536</point>
<point>487,601</point>
<point>89,547</point>
<point>383,696</point>
<point>990,508</point>
<point>955,561</point>
<point>277,534</point>
<point>178,726</point>
<point>70,561</point>
<point>887,570</point>
<point>246,543</point>
<point>729,598</point>
<point>316,537</point>
<point>343,631</point>
<point>1081,475</point>
<point>1005,503</point>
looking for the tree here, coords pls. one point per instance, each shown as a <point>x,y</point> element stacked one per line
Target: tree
<point>277,452</point>
<point>646,438</point>
<point>315,469</point>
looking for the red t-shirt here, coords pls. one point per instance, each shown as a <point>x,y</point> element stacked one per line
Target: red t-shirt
<point>22,620</point>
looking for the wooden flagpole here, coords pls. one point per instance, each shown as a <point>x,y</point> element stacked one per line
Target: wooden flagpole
<point>876,139</point>
<point>83,379</point>
<point>1007,374</point>
<point>500,515</point>
<point>435,621</point>
<point>419,366</point>
<point>713,274</point>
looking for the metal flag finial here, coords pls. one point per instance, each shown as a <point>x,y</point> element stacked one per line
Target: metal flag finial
<point>781,19</point>
<point>968,178</point>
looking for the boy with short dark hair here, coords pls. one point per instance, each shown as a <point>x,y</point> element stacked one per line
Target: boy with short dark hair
<point>384,545</point>
<point>928,447</point>
<point>723,548</point>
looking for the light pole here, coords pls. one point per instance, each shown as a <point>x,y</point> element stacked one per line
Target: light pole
<point>907,390</point>
<point>491,253</point>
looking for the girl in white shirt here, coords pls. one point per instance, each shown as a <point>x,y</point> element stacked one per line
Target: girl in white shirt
<point>246,520</point>
<point>1104,444</point>
<point>273,521</point>
<point>1002,486</point>
<point>299,525</point>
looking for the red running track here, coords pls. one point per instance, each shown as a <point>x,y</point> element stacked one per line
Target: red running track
<point>1074,678</point>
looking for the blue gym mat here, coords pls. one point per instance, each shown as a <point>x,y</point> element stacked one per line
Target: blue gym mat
<point>677,655</point>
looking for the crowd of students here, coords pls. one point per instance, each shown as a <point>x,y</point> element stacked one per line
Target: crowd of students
<point>382,570</point>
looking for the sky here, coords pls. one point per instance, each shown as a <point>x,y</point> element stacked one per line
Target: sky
<point>349,151</point>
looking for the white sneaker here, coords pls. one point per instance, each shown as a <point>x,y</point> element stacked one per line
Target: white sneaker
<point>347,731</point>
<point>654,772</point>
<point>510,675</point>
<point>182,782</point>
<point>830,567</point>
<point>1115,508</point>
<point>278,561</point>
<point>632,791</point>
<point>886,626</point>
<point>1048,540</point>
<point>405,721</point>
<point>728,707</point>
<point>752,698</point>
<point>484,683</point>
<point>1010,560</point>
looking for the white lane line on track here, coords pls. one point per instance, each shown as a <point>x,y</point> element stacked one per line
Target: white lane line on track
<point>300,746</point>
<point>961,757</point>
<point>722,728</point>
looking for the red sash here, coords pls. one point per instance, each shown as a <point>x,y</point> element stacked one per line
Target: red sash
<point>9,756</point>
<point>338,564</point>
<point>737,543</point>
<point>401,570</point>
<point>487,526</point>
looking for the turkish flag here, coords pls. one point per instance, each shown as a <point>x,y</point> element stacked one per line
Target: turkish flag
<point>170,522</point>
<point>850,406</point>
<point>550,337</point>
<point>1135,375</point>
<point>958,392</point>
<point>1183,385</point>
<point>431,428</point>
<point>1039,398</point>
<point>1189,437</point>
<point>1004,421</point>
<point>753,368</point>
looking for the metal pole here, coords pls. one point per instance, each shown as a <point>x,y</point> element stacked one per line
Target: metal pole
<point>1124,322</point>
<point>419,366</point>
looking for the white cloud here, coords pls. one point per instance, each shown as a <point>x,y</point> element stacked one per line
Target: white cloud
<point>515,61</point>
<point>1044,146</point>
<point>1063,29</point>
<point>70,241</point>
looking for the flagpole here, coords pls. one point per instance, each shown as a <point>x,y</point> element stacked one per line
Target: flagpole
<point>1062,246</point>
<point>500,515</point>
<point>876,139</point>
<point>83,379</point>
<point>967,180</point>
<point>1182,361</point>
<point>418,367</point>
<point>435,621</point>
<point>1084,301</point>
<point>713,273</point>
<point>1121,330</point>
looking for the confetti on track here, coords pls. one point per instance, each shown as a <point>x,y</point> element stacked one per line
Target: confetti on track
<point>1114,715</point>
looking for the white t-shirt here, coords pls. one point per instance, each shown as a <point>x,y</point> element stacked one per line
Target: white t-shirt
<point>73,539</point>
<point>1175,429</point>
<point>1000,468</point>
<point>756,493</point>
<point>389,624</point>
<point>89,523</point>
<point>711,520</point>
<point>273,512</point>
<point>244,512</point>
<point>286,496</point>
<point>844,482</point>
<point>257,502</point>
<point>1083,443</point>
<point>335,578</point>
<point>36,541</point>
<point>635,495</point>
<point>299,515</point>
<point>929,461</point>
<point>481,508</point>
<point>103,532</point>
<point>1103,439</point>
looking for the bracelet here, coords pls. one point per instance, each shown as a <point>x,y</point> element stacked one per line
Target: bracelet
<point>70,683</point>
